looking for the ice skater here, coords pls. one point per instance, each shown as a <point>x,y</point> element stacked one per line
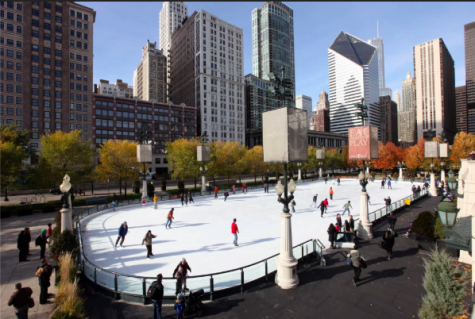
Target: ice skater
<point>331,193</point>
<point>325,179</point>
<point>382,183</point>
<point>114,205</point>
<point>226,194</point>
<point>123,229</point>
<point>180,273</point>
<point>147,240</point>
<point>235,232</point>
<point>243,187</point>
<point>389,184</point>
<point>169,218</point>
<point>143,202</point>
<point>155,201</point>
<point>234,189</point>
<point>338,220</point>
<point>186,198</point>
<point>191,198</point>
<point>322,208</point>
<point>347,208</point>
<point>314,202</point>
<point>182,198</point>
<point>292,205</point>
<point>326,205</point>
<point>338,181</point>
<point>216,190</point>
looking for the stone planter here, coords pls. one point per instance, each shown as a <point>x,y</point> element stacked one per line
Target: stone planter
<point>426,243</point>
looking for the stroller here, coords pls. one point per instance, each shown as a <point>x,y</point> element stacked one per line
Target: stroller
<point>193,304</point>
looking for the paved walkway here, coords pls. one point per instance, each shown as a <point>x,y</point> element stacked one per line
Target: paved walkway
<point>389,289</point>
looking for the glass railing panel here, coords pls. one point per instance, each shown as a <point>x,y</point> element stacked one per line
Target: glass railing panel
<point>372,217</point>
<point>89,271</point>
<point>130,285</point>
<point>105,279</point>
<point>272,264</point>
<point>194,284</point>
<point>227,280</point>
<point>254,272</point>
<point>169,286</point>
<point>297,251</point>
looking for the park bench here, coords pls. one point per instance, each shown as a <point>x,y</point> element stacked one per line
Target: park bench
<point>94,200</point>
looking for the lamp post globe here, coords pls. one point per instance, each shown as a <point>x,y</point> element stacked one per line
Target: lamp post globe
<point>447,211</point>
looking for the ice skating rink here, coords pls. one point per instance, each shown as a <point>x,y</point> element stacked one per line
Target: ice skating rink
<point>201,232</point>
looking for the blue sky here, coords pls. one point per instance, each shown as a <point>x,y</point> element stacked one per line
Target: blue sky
<point>122,29</point>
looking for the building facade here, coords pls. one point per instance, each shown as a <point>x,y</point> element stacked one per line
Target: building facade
<point>150,75</point>
<point>389,120</point>
<point>304,102</point>
<point>461,108</point>
<point>407,133</point>
<point>119,89</point>
<point>210,78</point>
<point>118,118</point>
<point>397,100</point>
<point>469,34</point>
<point>171,17</point>
<point>435,87</point>
<point>321,117</point>
<point>353,74</point>
<point>409,93</point>
<point>378,43</point>
<point>46,51</point>
<point>327,139</point>
<point>273,42</point>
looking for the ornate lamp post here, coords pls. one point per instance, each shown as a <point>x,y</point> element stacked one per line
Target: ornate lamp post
<point>144,155</point>
<point>400,165</point>
<point>320,155</point>
<point>442,172</point>
<point>66,212</point>
<point>447,211</point>
<point>203,155</point>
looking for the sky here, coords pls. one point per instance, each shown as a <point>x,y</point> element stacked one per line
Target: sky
<point>121,30</point>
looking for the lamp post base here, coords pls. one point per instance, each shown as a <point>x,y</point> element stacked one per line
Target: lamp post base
<point>320,172</point>
<point>300,175</point>
<point>432,189</point>
<point>364,225</point>
<point>66,219</point>
<point>144,189</point>
<point>286,263</point>
<point>203,185</point>
<point>442,176</point>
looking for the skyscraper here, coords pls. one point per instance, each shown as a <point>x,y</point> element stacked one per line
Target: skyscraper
<point>378,43</point>
<point>47,50</point>
<point>171,17</point>
<point>321,117</point>
<point>407,115</point>
<point>397,99</point>
<point>461,108</point>
<point>210,77</point>
<point>273,41</point>
<point>389,120</point>
<point>470,74</point>
<point>435,86</point>
<point>409,92</point>
<point>304,102</point>
<point>150,75</point>
<point>353,74</point>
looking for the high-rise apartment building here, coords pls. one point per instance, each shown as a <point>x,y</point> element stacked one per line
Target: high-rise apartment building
<point>171,17</point>
<point>353,74</point>
<point>321,117</point>
<point>304,102</point>
<point>397,100</point>
<point>409,93</point>
<point>435,86</point>
<point>210,77</point>
<point>407,130</point>
<point>150,75</point>
<point>273,42</point>
<point>469,35</point>
<point>461,108</point>
<point>119,89</point>
<point>378,43</point>
<point>46,51</point>
<point>389,120</point>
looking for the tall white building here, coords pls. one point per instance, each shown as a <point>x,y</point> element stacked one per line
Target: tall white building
<point>378,43</point>
<point>409,93</point>
<point>397,99</point>
<point>171,17</point>
<point>211,77</point>
<point>353,74</point>
<point>304,102</point>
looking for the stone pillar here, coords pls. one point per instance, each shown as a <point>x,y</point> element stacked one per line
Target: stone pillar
<point>300,175</point>
<point>432,189</point>
<point>286,263</point>
<point>66,216</point>
<point>442,176</point>
<point>320,172</point>
<point>203,184</point>
<point>364,225</point>
<point>144,189</point>
<point>400,178</point>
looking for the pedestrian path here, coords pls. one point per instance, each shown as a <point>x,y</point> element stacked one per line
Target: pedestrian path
<point>388,289</point>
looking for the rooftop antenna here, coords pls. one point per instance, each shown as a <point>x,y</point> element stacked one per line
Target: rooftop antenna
<point>377,27</point>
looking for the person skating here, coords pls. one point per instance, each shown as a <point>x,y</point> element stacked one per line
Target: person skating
<point>332,235</point>
<point>243,187</point>
<point>114,205</point>
<point>234,189</point>
<point>292,205</point>
<point>147,240</point>
<point>182,198</point>
<point>216,190</point>
<point>186,198</point>
<point>326,205</point>
<point>43,272</point>
<point>392,220</point>
<point>338,220</point>
<point>314,200</point>
<point>367,196</point>
<point>235,232</point>
<point>41,241</point>
<point>49,233</point>
<point>331,193</point>
<point>322,208</point>
<point>169,218</point>
<point>123,229</point>
<point>347,230</point>
<point>21,245</point>
<point>351,221</point>
<point>355,255</point>
<point>180,272</point>
<point>389,184</point>
<point>179,306</point>
<point>156,295</point>
<point>338,181</point>
<point>143,202</point>
<point>382,183</point>
<point>325,179</point>
<point>155,201</point>
<point>28,240</point>
<point>347,208</point>
<point>388,238</point>
<point>226,194</point>
<point>20,300</point>
<point>190,198</point>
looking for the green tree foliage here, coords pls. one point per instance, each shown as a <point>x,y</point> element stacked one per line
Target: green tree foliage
<point>182,158</point>
<point>424,224</point>
<point>439,228</point>
<point>64,242</point>
<point>445,285</point>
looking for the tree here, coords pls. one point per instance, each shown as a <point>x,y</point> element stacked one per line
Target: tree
<point>254,160</point>
<point>226,156</point>
<point>118,160</point>
<point>389,155</point>
<point>414,156</point>
<point>333,159</point>
<point>65,153</point>
<point>182,159</point>
<point>445,285</point>
<point>463,144</point>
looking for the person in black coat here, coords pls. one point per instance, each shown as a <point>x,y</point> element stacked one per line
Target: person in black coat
<point>42,243</point>
<point>351,221</point>
<point>388,238</point>
<point>322,208</point>
<point>43,273</point>
<point>28,240</point>
<point>331,235</point>
<point>392,220</point>
<point>191,198</point>
<point>180,274</point>
<point>157,301</point>
<point>22,245</point>
<point>182,199</point>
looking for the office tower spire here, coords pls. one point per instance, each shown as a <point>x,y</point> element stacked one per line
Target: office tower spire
<point>378,43</point>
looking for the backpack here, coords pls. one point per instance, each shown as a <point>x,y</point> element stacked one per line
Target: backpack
<point>38,240</point>
<point>153,292</point>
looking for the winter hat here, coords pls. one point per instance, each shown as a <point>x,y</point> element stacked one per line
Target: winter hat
<point>183,260</point>
<point>179,297</point>
<point>43,231</point>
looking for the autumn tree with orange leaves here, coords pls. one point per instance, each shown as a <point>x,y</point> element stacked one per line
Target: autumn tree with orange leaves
<point>389,155</point>
<point>463,144</point>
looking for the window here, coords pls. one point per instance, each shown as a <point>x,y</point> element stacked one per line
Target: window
<point>78,44</point>
<point>84,88</point>
<point>34,135</point>
<point>86,17</point>
<point>71,75</point>
<point>9,111</point>
<point>71,43</point>
<point>78,34</point>
<point>34,91</point>
<point>78,77</point>
<point>18,44</point>
<point>58,115</point>
<point>58,126</point>
<point>18,55</point>
<point>47,50</point>
<point>18,77</point>
<point>58,74</point>
<point>78,107</point>
<point>85,26</point>
<point>18,101</point>
<point>84,46</point>
<point>79,15</point>
<point>47,82</point>
<point>34,102</point>
<point>10,15</point>
<point>78,24</point>
<point>59,29</point>
<point>35,34</point>
<point>47,71</point>
<point>71,116</point>
<point>35,12</point>
<point>34,124</point>
<point>72,23</point>
<point>34,48</point>
<point>85,58</point>
<point>85,68</point>
<point>34,80</point>
<point>85,36</point>
<point>57,94</point>
<point>71,32</point>
<point>18,66</point>
<point>47,16</point>
<point>78,86</point>
<point>47,103</point>
<point>59,9</point>
<point>78,57</point>
<point>78,117</point>
<point>59,19</point>
<point>57,84</point>
<point>47,93</point>
<point>47,5</point>
<point>78,97</point>
<point>47,61</point>
<point>18,29</point>
<point>9,65</point>
<point>35,23</point>
<point>58,63</point>
<point>9,76</point>
<point>10,53</point>
<point>18,88</point>
<point>71,96</point>
<point>59,40</point>
<point>47,36</point>
<point>47,125</point>
<point>34,113</point>
<point>19,7</point>
<point>71,86</point>
<point>58,105</point>
<point>9,87</point>
<point>58,52</point>
<point>78,67</point>
<point>47,114</point>
<point>10,42</point>
<point>19,18</point>
<point>18,112</point>
<point>72,13</point>
<point>47,26</point>
<point>84,117</point>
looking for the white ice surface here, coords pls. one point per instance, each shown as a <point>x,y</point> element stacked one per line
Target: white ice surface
<point>201,232</point>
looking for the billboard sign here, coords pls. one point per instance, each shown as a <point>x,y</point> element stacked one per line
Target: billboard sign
<point>443,150</point>
<point>320,154</point>
<point>203,153</point>
<point>431,149</point>
<point>144,153</point>
<point>363,143</point>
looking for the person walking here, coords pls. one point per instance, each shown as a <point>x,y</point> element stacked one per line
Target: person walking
<point>332,235</point>
<point>392,220</point>
<point>326,205</point>
<point>182,198</point>
<point>21,245</point>
<point>41,241</point>
<point>338,181</point>
<point>347,208</point>
<point>351,221</point>
<point>325,179</point>
<point>322,208</point>
<point>147,240</point>
<point>338,220</point>
<point>216,190</point>
<point>389,184</point>
<point>191,198</point>
<point>123,229</point>
<point>234,189</point>
<point>347,231</point>
<point>235,232</point>
<point>226,194</point>
<point>382,183</point>
<point>243,187</point>
<point>331,193</point>
<point>355,255</point>
<point>292,205</point>
<point>20,300</point>
<point>114,205</point>
<point>155,201</point>
<point>314,200</point>
<point>180,273</point>
<point>156,295</point>
<point>28,240</point>
<point>43,273</point>
<point>169,218</point>
<point>49,233</point>
<point>389,238</point>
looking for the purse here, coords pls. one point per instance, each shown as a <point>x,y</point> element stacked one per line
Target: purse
<point>348,261</point>
<point>382,244</point>
<point>362,263</point>
<point>31,302</point>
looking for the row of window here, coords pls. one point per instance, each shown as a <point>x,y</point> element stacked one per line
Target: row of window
<point>10,65</point>
<point>46,125</point>
<point>11,5</point>
<point>9,88</point>
<point>10,121</point>
<point>79,24</point>
<point>36,23</point>
<point>78,107</point>
<point>46,93</point>
<point>78,116</point>
<point>110,123</point>
<point>46,61</point>
<point>9,99</point>
<point>10,111</point>
<point>10,42</point>
<point>78,97</point>
<point>142,108</point>
<point>79,67</point>
<point>78,34</point>
<point>78,15</point>
<point>78,57</point>
<point>78,77</point>
<point>79,44</point>
<point>78,87</point>
<point>47,5</point>
<point>11,27</point>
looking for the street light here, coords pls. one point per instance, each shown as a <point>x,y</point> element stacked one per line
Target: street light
<point>447,211</point>
<point>203,155</point>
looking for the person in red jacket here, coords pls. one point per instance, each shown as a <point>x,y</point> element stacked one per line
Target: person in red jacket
<point>216,192</point>
<point>235,232</point>
<point>326,205</point>
<point>243,187</point>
